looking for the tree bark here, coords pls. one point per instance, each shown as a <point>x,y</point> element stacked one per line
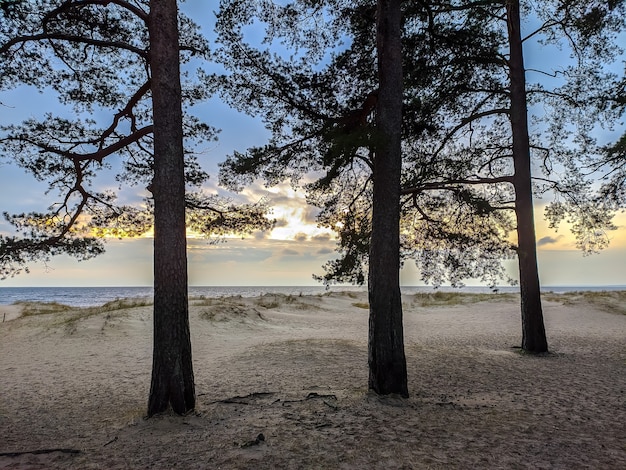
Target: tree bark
<point>387,362</point>
<point>172,371</point>
<point>533,330</point>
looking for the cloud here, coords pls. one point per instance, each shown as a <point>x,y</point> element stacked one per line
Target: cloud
<point>301,237</point>
<point>261,234</point>
<point>323,251</point>
<point>549,240</point>
<point>322,237</point>
<point>280,223</point>
<point>290,252</point>
<point>310,214</point>
<point>229,250</point>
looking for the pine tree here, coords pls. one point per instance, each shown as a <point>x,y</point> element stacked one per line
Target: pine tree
<point>103,56</point>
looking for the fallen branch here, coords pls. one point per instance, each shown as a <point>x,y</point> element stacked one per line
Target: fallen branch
<point>243,400</point>
<point>39,451</point>
<point>240,400</point>
<point>311,396</point>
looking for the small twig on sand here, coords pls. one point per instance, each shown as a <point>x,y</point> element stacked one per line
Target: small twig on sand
<point>312,395</point>
<point>255,442</point>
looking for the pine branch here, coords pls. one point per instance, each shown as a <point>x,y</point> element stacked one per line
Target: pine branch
<point>74,39</point>
<point>449,184</point>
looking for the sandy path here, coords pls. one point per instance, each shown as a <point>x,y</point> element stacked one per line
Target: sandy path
<point>295,370</point>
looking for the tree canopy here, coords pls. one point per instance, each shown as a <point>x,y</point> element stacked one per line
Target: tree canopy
<point>95,57</point>
<point>469,170</point>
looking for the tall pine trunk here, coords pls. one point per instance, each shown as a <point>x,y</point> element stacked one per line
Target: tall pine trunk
<point>172,371</point>
<point>387,363</point>
<point>533,330</point>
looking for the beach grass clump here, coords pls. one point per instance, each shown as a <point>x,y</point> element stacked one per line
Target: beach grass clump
<point>341,293</point>
<point>29,309</point>
<point>294,302</point>
<point>275,300</point>
<point>268,303</point>
<point>121,304</point>
<point>609,301</point>
<point>113,309</point>
<point>228,312</point>
<point>43,308</point>
<point>204,301</point>
<point>448,299</point>
<point>363,305</point>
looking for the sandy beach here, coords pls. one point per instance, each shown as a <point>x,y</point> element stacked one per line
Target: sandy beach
<point>281,383</point>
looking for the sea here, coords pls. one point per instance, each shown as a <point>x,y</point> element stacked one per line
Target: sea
<point>96,296</point>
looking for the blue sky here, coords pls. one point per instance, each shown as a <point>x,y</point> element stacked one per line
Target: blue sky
<point>291,253</point>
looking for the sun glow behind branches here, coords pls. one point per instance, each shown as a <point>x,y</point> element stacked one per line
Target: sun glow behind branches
<point>549,239</point>
<point>294,220</point>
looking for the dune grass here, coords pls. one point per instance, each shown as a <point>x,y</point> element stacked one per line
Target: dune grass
<point>273,301</point>
<point>30,309</point>
<point>448,299</point>
<point>230,312</point>
<point>235,307</point>
<point>44,308</point>
<point>609,301</point>
<point>204,301</point>
<point>69,317</point>
<point>112,309</point>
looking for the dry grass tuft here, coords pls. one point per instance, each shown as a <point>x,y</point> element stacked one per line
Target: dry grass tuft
<point>120,304</point>
<point>273,301</point>
<point>203,301</point>
<point>363,305</point>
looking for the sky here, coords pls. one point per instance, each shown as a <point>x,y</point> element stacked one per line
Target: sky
<point>291,252</point>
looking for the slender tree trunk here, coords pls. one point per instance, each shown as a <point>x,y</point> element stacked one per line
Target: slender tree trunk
<point>533,330</point>
<point>387,363</point>
<point>172,372</point>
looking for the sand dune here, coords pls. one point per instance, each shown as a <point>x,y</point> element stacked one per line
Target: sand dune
<point>282,383</point>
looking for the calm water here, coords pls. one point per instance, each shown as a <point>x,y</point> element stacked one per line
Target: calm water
<point>94,296</point>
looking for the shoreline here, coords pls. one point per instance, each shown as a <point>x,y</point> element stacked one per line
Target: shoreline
<point>96,296</point>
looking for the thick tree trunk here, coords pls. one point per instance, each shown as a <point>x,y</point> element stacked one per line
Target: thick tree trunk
<point>387,363</point>
<point>172,372</point>
<point>533,330</point>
